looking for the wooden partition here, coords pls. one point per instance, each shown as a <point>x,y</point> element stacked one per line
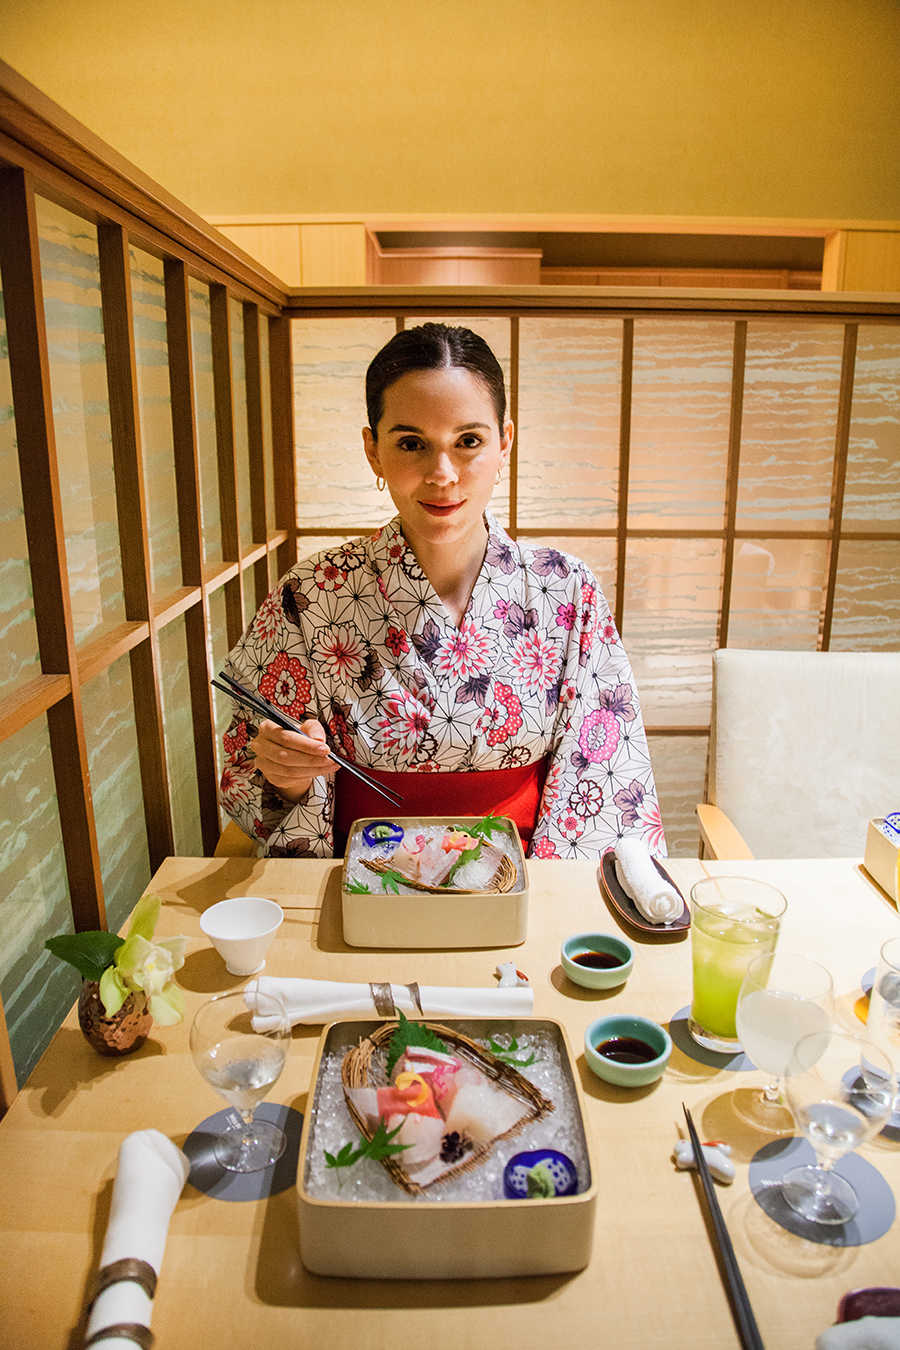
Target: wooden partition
<point>149,505</point>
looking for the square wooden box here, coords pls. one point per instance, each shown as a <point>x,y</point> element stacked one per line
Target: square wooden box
<point>422,920</point>
<point>881,859</point>
<point>445,1240</point>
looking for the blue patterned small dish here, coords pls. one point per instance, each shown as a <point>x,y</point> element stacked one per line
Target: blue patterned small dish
<point>556,1168</point>
<point>382,834</point>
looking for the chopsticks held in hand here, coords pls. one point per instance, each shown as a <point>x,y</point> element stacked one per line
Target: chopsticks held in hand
<point>743,1313</point>
<point>263,708</point>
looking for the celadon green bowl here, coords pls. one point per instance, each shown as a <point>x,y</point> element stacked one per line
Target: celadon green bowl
<point>599,978</point>
<point>638,1028</point>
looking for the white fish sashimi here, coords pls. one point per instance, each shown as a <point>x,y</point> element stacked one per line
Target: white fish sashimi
<point>422,1135</point>
<point>481,1112</point>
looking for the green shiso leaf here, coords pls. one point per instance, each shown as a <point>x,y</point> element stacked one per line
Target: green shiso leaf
<point>90,953</point>
<point>410,1033</point>
<point>468,855</point>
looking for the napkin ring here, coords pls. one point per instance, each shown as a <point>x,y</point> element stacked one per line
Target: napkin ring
<point>129,1268</point>
<point>384,999</point>
<point>127,1331</point>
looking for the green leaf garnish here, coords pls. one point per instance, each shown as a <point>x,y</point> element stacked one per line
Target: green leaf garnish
<point>376,1148</point>
<point>487,826</point>
<point>410,1033</point>
<point>358,888</point>
<point>347,1156</point>
<point>508,1054</point>
<point>392,881</point>
<point>90,953</point>
<point>468,855</point>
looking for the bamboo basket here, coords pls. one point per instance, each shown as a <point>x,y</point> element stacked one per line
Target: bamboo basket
<point>362,1068</point>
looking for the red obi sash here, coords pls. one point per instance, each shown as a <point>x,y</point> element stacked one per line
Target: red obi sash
<point>497,792</point>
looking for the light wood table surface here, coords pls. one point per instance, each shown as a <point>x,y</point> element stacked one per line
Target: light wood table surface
<point>232,1274</point>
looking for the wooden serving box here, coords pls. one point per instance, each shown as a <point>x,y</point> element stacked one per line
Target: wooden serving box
<point>452,920</point>
<point>424,1239</point>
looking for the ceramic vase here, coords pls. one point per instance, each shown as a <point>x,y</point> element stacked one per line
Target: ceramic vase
<point>117,1035</point>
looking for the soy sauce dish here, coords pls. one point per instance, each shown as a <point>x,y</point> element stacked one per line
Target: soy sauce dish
<point>627,1050</point>
<point>597,960</point>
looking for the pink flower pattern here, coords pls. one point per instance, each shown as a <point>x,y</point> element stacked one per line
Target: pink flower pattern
<point>465,652</point>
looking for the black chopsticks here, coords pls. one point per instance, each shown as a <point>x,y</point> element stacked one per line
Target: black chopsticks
<point>740,1303</point>
<point>256,703</point>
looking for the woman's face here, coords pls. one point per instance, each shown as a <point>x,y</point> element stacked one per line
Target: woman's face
<point>439,448</point>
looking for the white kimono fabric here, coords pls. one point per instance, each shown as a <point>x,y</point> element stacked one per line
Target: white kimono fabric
<point>357,638</point>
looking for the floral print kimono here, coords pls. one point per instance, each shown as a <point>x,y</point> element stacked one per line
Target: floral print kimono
<point>356,637</point>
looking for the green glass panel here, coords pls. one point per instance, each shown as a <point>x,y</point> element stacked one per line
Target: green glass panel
<point>570,372</point>
<point>679,770</point>
<point>335,486</point>
<point>791,387</point>
<point>268,454</point>
<point>155,410</point>
<point>205,415</point>
<point>70,270</point>
<point>672,590</point>
<point>179,736</point>
<point>867,598</point>
<point>872,488</point>
<point>18,635</point>
<point>680,416</point>
<point>241,438</point>
<point>112,744</point>
<point>38,989</point>
<point>776,593</point>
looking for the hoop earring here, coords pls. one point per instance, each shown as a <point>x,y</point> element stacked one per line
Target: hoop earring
<point>498,478</point>
<point>380,483</point>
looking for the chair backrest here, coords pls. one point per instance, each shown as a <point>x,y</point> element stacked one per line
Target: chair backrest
<point>805,748</point>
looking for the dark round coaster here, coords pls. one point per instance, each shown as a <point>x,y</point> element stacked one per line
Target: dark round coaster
<point>876,1200</point>
<point>867,981</point>
<point>210,1177</point>
<point>681,1036</point>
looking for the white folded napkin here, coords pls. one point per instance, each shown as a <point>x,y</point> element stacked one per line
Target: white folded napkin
<point>150,1178</point>
<point>866,1333</point>
<point>656,899</point>
<point>319,1001</point>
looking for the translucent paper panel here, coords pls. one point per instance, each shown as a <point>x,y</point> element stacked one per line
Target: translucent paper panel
<point>18,636</point>
<point>241,438</point>
<point>680,414</point>
<point>872,489</point>
<point>672,590</point>
<point>496,333</point>
<point>218,650</point>
<point>248,583</point>
<point>38,989</point>
<point>112,745</point>
<point>155,407</point>
<point>776,593</point>
<point>71,278</point>
<point>267,422</point>
<point>791,387</point>
<point>598,554</point>
<point>679,770</point>
<point>335,486</point>
<point>570,374</point>
<point>205,413</point>
<point>179,734</point>
<point>867,598</point>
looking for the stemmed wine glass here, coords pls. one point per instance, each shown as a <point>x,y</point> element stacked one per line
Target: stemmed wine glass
<point>782,999</point>
<point>242,1063</point>
<point>840,1088</point>
<point>883,1022</point>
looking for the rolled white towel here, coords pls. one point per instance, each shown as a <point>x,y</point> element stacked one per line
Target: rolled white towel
<point>866,1333</point>
<point>150,1178</point>
<point>656,899</point>
<point>318,1001</point>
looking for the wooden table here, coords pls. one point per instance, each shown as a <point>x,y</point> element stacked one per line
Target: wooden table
<point>232,1273</point>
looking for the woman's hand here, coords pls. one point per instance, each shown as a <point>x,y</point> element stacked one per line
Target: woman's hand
<point>290,760</point>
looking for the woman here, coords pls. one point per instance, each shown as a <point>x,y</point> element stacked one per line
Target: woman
<point>465,672</point>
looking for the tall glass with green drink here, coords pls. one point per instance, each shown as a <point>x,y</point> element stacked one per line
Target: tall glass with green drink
<point>733,919</point>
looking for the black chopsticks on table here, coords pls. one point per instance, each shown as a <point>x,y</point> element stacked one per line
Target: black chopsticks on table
<point>256,703</point>
<point>743,1313</point>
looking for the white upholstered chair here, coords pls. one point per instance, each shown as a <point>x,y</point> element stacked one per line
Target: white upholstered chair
<point>804,750</point>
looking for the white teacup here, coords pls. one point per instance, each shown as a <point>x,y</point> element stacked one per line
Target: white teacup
<point>241,930</point>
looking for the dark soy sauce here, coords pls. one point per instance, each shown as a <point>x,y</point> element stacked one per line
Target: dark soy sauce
<point>627,1050</point>
<point>598,960</point>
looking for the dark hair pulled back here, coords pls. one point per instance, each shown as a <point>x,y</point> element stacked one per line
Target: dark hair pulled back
<point>433,346</point>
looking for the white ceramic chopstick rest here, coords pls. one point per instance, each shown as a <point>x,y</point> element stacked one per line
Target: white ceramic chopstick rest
<point>717,1155</point>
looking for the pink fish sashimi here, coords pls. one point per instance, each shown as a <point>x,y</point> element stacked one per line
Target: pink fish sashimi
<point>446,1073</point>
<point>403,1099</point>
